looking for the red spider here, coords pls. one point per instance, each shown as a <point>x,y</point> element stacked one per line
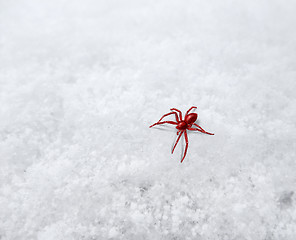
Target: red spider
<point>183,125</point>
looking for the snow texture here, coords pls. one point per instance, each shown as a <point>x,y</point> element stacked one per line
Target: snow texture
<point>81,81</point>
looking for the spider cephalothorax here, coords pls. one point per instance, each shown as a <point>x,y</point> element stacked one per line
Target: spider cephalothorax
<point>183,125</point>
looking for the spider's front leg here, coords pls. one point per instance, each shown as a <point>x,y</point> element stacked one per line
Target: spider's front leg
<point>177,139</point>
<point>186,147</point>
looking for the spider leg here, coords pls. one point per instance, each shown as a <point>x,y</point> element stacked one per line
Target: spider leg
<point>177,141</point>
<point>200,129</point>
<point>158,123</point>
<point>186,147</point>
<point>180,113</point>
<point>196,129</point>
<point>189,110</point>
<point>176,115</point>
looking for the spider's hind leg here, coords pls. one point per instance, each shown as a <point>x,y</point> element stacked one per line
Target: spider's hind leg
<point>199,128</point>
<point>176,115</point>
<point>190,110</point>
<point>177,110</point>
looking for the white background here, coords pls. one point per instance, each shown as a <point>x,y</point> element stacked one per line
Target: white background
<point>80,83</point>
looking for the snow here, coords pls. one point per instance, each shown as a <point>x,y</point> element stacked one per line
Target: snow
<point>80,83</point>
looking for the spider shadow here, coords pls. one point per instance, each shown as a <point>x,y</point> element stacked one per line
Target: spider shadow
<point>182,139</point>
<point>170,129</point>
<point>165,128</point>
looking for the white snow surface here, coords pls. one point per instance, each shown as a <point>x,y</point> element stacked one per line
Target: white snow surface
<point>80,83</point>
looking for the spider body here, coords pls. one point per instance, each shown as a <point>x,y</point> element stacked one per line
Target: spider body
<point>182,125</point>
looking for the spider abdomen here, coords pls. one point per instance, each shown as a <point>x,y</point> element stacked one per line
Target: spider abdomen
<point>191,118</point>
